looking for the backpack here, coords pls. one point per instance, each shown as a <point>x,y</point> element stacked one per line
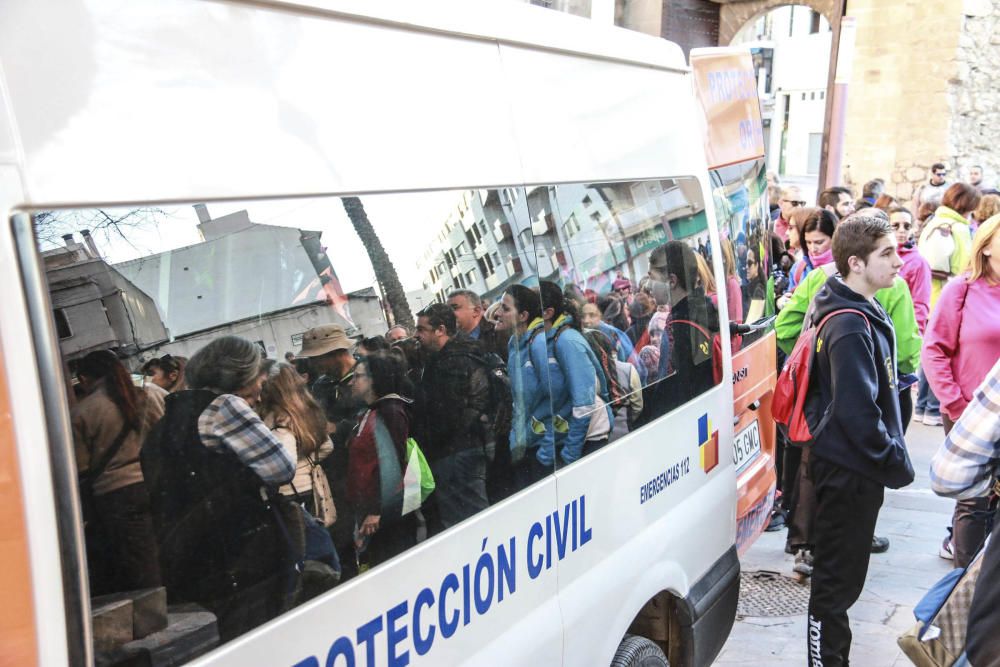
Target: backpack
<point>712,346</point>
<point>937,248</point>
<point>604,350</point>
<point>501,412</point>
<point>792,387</point>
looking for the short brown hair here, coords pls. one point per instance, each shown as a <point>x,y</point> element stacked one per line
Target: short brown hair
<point>857,235</point>
<point>961,198</point>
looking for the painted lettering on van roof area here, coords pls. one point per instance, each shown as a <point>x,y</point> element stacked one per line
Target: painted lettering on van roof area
<point>726,87</point>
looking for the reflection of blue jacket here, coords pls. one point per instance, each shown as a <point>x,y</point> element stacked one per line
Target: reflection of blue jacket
<point>575,376</point>
<point>532,418</point>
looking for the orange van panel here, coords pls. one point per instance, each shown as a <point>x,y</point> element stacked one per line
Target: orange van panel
<point>17,614</point>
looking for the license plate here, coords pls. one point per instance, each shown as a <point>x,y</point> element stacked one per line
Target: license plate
<point>746,446</point>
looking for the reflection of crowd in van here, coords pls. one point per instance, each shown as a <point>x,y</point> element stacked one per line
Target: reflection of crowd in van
<point>245,485</point>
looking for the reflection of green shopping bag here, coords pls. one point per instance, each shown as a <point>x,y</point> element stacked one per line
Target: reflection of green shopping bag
<point>403,490</point>
<point>418,480</point>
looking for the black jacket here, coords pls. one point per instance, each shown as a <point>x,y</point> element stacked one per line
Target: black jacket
<point>853,398</point>
<point>216,535</point>
<point>453,401</point>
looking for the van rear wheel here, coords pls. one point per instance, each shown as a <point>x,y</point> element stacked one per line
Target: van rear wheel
<point>635,651</point>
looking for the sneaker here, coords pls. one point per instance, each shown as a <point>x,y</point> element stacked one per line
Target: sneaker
<point>932,420</point>
<point>880,544</point>
<point>947,550</point>
<point>803,563</point>
<point>918,413</point>
<point>777,521</point>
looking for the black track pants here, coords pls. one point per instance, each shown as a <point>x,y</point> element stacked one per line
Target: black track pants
<point>847,507</point>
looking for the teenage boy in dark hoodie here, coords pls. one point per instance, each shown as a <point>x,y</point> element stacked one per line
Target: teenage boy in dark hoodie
<point>858,449</point>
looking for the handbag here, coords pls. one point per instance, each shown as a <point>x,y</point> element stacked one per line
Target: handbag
<point>326,510</point>
<point>938,637</point>
<point>86,480</point>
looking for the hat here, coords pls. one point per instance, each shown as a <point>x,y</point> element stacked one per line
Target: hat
<point>323,339</point>
<point>621,283</point>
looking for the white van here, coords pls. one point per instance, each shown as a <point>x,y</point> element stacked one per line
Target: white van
<point>176,172</point>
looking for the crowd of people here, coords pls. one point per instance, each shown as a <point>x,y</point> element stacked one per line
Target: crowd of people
<point>247,485</point>
<point>906,296</point>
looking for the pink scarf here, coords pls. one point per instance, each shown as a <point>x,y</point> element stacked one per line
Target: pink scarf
<point>822,258</point>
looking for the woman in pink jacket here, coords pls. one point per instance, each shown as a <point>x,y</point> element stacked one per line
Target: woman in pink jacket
<point>961,345</point>
<point>916,271</point>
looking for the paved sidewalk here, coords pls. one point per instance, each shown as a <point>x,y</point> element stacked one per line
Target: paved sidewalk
<point>914,519</point>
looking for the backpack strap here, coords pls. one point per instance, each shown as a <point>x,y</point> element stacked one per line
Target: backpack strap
<point>693,325</point>
<point>844,310</point>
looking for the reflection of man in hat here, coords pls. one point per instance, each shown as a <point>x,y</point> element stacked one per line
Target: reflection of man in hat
<point>328,350</point>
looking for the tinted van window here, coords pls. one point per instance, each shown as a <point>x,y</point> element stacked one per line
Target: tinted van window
<point>249,382</point>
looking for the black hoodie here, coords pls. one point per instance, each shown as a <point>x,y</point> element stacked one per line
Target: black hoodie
<point>852,395</point>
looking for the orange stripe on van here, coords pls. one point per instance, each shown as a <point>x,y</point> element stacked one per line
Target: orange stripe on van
<point>17,614</point>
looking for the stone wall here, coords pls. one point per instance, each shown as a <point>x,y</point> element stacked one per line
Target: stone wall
<point>899,109</point>
<point>974,91</point>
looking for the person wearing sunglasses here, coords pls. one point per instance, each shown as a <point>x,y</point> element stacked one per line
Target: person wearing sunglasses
<point>791,199</point>
<point>934,189</point>
<point>916,271</point>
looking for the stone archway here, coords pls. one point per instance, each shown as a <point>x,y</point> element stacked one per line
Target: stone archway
<point>735,14</point>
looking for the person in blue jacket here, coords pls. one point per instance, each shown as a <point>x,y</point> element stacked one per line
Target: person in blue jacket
<point>581,416</point>
<point>531,435</point>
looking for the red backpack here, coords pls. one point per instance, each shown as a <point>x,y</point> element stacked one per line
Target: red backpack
<point>788,405</point>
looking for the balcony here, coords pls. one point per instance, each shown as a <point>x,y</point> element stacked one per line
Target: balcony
<point>503,232</point>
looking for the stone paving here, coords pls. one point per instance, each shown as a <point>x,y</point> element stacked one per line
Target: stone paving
<point>914,519</point>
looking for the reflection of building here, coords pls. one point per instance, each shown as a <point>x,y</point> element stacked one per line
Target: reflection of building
<point>281,331</point>
<point>95,307</point>
<point>479,247</point>
<point>584,233</point>
<point>791,47</point>
<point>263,282</point>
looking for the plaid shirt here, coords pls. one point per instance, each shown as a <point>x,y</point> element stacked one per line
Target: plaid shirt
<point>229,421</point>
<point>965,464</point>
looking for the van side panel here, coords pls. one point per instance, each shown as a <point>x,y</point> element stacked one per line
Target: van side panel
<point>27,471</point>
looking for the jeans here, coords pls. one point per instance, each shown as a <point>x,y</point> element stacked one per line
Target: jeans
<point>927,402</point>
<point>123,550</point>
<point>459,486</point>
<point>970,523</point>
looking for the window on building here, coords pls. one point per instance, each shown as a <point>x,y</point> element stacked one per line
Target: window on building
<point>815,22</point>
<point>572,227</point>
<point>63,329</point>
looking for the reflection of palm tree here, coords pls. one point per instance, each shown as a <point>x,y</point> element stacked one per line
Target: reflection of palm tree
<point>385,272</point>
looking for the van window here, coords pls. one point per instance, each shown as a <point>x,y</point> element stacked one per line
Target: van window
<point>749,260</point>
<point>275,344</point>
<point>630,303</point>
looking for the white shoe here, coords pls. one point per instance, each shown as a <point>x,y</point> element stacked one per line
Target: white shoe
<point>947,549</point>
<point>932,420</point>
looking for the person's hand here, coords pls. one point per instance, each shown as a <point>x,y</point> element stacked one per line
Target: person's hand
<point>369,525</point>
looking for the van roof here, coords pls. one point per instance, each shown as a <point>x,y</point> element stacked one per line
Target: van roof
<point>236,100</point>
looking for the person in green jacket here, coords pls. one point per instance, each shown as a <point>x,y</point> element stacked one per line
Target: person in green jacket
<point>958,202</point>
<point>896,300</point>
<point>898,305</point>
